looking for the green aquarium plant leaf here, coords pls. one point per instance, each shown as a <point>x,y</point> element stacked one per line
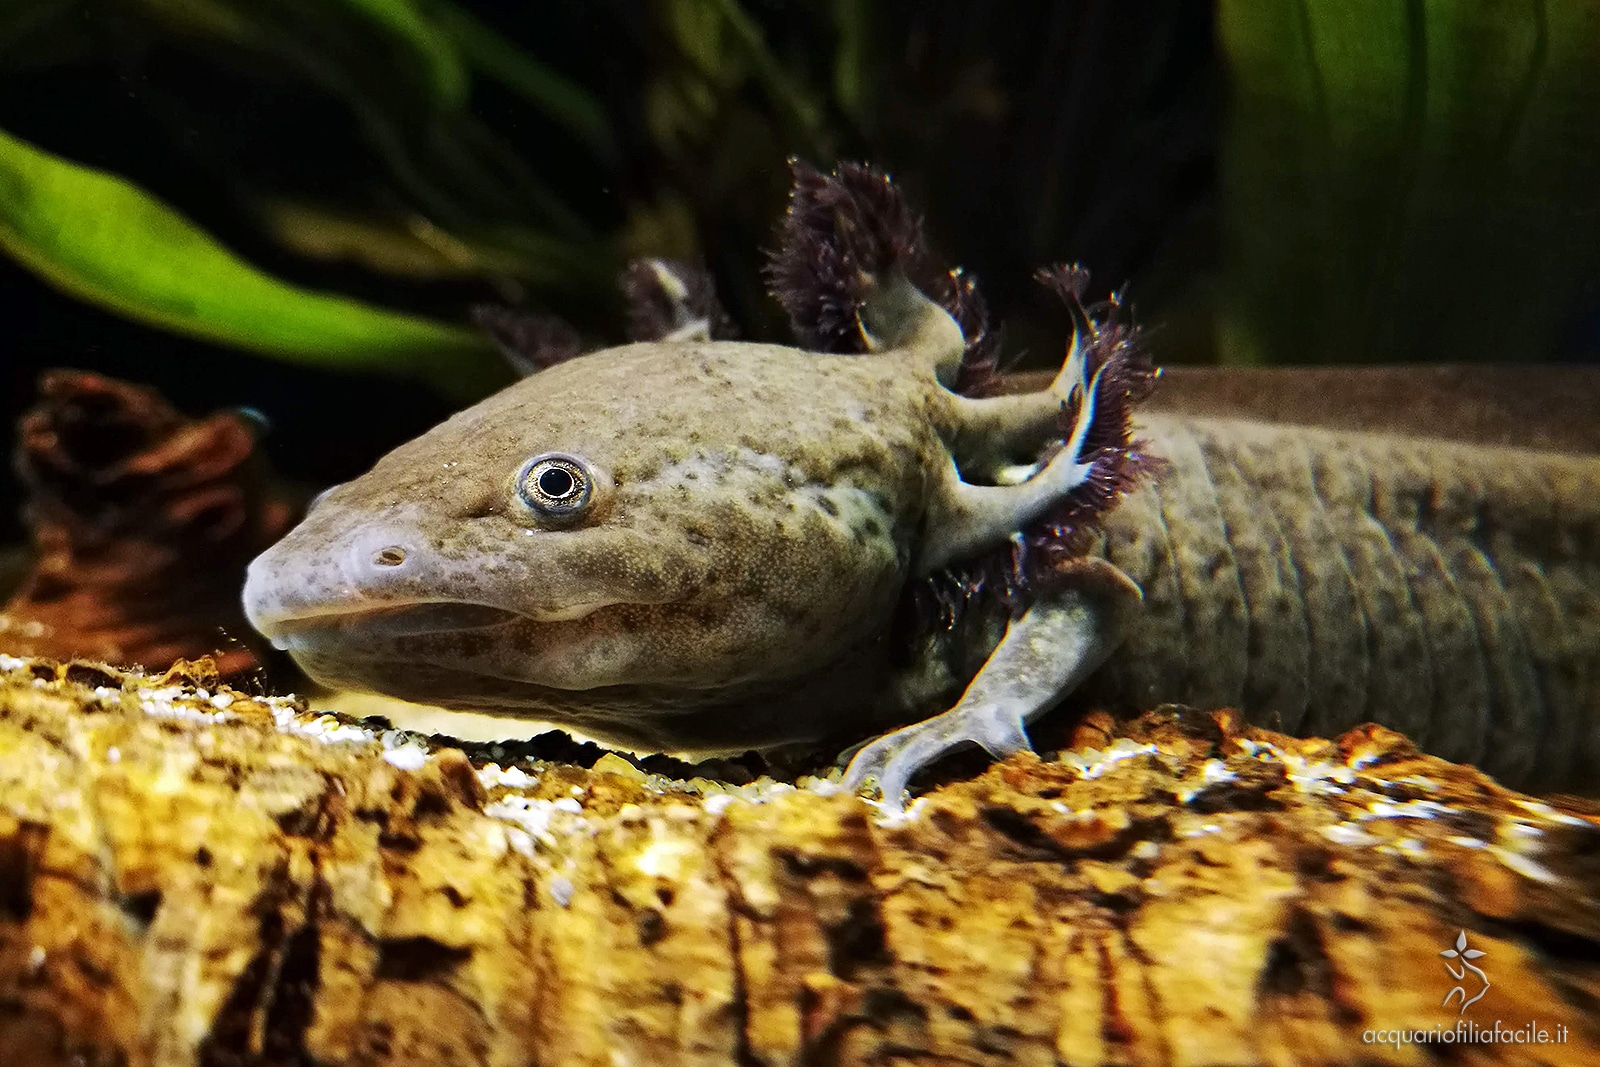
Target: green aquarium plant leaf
<point>1409,180</point>
<point>108,242</point>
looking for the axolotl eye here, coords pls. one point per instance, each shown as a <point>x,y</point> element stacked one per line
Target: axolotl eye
<point>556,486</point>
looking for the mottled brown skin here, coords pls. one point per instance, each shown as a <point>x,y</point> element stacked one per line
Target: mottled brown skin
<point>1322,578</point>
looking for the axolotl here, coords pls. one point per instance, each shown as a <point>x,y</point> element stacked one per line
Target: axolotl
<point>697,545</point>
<point>691,545</point>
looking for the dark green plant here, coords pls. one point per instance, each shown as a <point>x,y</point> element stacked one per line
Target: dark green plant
<point>1409,180</point>
<point>1397,179</point>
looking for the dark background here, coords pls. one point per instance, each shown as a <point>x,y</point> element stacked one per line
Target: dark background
<point>1027,133</point>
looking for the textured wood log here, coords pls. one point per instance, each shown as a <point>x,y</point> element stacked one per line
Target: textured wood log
<point>191,876</point>
<point>142,522</point>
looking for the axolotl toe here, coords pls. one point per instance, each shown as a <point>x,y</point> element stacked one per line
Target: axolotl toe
<point>701,545</point>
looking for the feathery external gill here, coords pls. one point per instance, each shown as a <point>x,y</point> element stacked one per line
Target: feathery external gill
<point>844,235</point>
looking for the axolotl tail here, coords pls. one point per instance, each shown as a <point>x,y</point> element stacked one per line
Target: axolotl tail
<point>1318,579</point>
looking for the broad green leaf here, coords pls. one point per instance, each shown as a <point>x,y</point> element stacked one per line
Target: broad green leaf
<point>108,242</point>
<point>1409,180</point>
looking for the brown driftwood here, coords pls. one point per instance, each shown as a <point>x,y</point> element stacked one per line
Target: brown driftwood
<point>142,522</point>
<point>193,877</point>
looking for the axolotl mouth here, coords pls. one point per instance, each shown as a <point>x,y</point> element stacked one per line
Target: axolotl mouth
<point>403,645</point>
<point>382,620</point>
<point>467,655</point>
<point>387,620</point>
<point>607,669</point>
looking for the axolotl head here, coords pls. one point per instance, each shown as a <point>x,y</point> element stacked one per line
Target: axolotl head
<point>670,517</point>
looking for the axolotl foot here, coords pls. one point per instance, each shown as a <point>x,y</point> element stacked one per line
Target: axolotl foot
<point>1049,649</point>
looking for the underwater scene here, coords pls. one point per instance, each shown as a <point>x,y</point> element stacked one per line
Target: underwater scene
<point>754,532</point>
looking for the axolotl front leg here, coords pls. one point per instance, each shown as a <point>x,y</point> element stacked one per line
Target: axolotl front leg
<point>1046,652</point>
<point>1074,622</point>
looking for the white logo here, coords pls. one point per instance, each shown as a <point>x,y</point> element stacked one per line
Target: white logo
<point>1463,953</point>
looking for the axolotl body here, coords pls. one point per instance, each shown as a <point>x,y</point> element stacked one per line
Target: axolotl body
<point>696,545</point>
<point>700,545</point>
<point>693,545</point>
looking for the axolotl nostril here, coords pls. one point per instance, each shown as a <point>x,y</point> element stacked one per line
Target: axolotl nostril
<point>697,544</point>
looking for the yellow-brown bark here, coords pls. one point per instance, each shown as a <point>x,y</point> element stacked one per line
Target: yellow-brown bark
<point>186,879</point>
